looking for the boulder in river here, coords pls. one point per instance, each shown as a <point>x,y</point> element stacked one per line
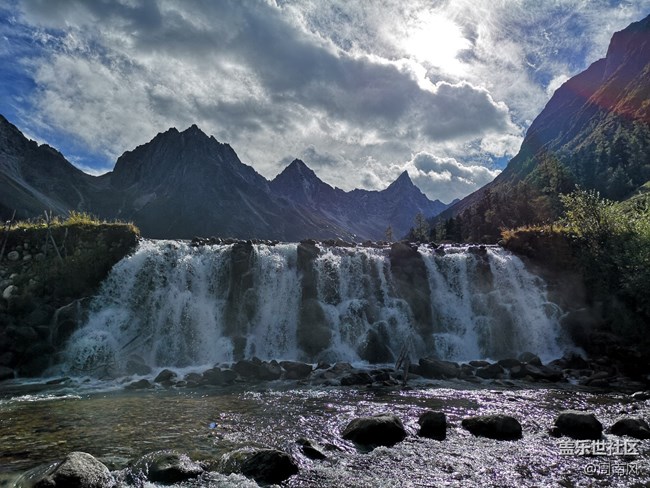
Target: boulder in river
<point>384,429</point>
<point>263,465</point>
<point>311,449</point>
<point>433,425</point>
<point>357,378</point>
<point>578,425</point>
<point>499,427</point>
<point>295,370</point>
<point>631,426</point>
<point>437,369</point>
<point>79,470</point>
<point>165,467</point>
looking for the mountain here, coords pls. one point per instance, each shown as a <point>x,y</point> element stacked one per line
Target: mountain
<point>369,213</point>
<point>182,184</point>
<point>35,178</point>
<point>593,132</point>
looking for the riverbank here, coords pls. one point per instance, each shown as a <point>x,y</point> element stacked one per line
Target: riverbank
<point>120,428</point>
<point>47,273</point>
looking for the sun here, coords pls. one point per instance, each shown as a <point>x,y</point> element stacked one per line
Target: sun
<point>436,40</point>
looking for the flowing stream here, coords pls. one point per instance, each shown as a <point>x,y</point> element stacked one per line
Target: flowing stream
<point>171,305</point>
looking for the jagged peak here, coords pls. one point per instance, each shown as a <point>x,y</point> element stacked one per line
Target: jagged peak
<point>297,167</point>
<point>402,180</point>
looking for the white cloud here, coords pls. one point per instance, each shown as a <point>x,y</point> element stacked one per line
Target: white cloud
<point>353,88</point>
<point>446,178</point>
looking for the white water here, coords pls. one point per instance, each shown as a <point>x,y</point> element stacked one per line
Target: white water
<point>167,305</point>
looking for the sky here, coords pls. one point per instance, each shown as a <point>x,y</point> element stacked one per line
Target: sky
<point>359,90</point>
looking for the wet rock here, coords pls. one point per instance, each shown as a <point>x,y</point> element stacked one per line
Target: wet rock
<point>257,369</point>
<point>165,467</point>
<point>360,378</point>
<point>437,369</point>
<point>509,363</point>
<point>633,427</point>
<point>433,425</point>
<point>479,363</point>
<point>536,372</point>
<point>574,361</point>
<point>262,465</point>
<point>529,358</point>
<point>217,377</point>
<point>78,470</point>
<point>313,333</point>
<point>310,449</point>
<point>9,291</point>
<point>340,368</point>
<point>295,370</point>
<point>383,429</point>
<point>166,376</point>
<point>578,425</point>
<point>491,372</point>
<point>640,396</point>
<point>137,366</point>
<point>142,384</point>
<point>411,283</point>
<point>6,373</point>
<point>499,427</point>
<point>68,319</point>
<point>13,256</point>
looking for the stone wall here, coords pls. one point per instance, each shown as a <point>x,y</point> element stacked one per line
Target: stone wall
<point>45,279</point>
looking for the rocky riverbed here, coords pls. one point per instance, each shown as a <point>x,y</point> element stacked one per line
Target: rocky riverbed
<point>311,431</point>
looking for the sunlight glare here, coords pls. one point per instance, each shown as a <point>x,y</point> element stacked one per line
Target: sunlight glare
<point>436,40</point>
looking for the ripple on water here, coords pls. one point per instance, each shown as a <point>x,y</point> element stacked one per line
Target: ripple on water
<point>117,426</point>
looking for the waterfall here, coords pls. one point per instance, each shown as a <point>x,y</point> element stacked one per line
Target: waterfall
<point>173,305</point>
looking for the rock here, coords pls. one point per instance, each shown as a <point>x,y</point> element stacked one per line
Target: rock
<point>6,373</point>
<point>383,429</point>
<point>218,377</point>
<point>166,375</point>
<point>509,363</point>
<point>13,256</point>
<point>491,372</point>
<point>529,358</point>
<point>633,427</point>
<point>258,370</point>
<point>536,372</point>
<point>479,363</point>
<point>640,396</point>
<point>574,361</point>
<point>68,319</point>
<point>499,427</point>
<point>437,369</point>
<point>137,366</point>
<point>165,467</point>
<point>9,291</point>
<point>340,368</point>
<point>310,449</point>
<point>295,370</point>
<point>139,385</point>
<point>360,378</point>
<point>263,465</point>
<point>578,425</point>
<point>433,425</point>
<point>77,470</point>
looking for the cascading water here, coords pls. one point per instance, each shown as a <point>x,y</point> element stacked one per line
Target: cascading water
<point>171,304</point>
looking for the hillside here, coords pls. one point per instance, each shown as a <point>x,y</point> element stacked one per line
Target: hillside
<point>594,132</point>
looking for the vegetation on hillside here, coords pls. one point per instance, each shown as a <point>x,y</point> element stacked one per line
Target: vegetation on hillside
<point>610,245</point>
<point>74,218</point>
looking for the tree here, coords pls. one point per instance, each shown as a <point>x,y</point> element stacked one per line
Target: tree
<point>421,228</point>
<point>388,233</point>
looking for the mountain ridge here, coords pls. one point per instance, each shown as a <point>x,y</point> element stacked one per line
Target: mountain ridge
<point>593,132</point>
<point>186,183</point>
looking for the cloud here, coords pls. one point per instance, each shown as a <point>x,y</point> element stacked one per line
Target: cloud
<point>446,178</point>
<point>353,88</point>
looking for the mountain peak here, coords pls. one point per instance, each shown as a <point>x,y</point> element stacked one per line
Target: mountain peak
<point>402,181</point>
<point>297,169</point>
